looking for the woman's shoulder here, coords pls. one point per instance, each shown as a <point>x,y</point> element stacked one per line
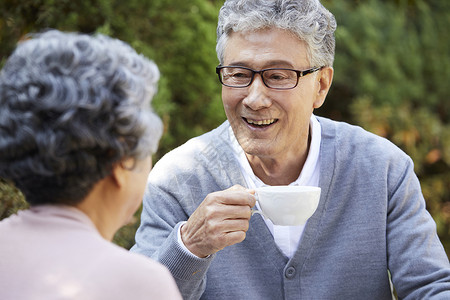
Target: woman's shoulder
<point>121,274</point>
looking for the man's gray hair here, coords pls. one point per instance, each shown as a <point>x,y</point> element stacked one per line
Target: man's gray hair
<point>71,107</point>
<point>309,20</point>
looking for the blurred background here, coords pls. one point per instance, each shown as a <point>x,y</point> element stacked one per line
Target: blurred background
<point>391,74</point>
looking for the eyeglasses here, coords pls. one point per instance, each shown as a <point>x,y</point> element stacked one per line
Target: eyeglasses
<point>274,78</point>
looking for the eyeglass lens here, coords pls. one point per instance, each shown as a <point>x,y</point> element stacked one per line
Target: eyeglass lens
<point>273,78</point>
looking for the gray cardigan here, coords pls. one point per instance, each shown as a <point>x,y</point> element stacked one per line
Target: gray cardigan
<point>371,218</point>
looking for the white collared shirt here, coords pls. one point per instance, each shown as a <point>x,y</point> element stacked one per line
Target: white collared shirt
<point>287,238</point>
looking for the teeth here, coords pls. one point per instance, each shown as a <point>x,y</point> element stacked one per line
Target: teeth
<point>262,122</point>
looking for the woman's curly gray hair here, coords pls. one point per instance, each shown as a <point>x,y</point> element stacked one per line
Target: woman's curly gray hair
<point>309,20</point>
<point>71,107</point>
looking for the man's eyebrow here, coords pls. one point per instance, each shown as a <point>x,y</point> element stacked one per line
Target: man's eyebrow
<point>265,65</point>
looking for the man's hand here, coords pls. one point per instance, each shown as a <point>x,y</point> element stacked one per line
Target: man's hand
<point>221,220</point>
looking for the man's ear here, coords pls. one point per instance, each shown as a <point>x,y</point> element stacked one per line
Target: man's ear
<point>323,81</point>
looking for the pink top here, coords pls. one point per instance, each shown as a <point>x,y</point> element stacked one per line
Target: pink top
<point>55,252</point>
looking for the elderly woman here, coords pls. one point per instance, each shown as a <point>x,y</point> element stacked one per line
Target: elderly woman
<point>76,137</point>
<point>276,60</point>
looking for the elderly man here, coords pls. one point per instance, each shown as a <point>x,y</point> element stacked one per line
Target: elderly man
<point>276,62</point>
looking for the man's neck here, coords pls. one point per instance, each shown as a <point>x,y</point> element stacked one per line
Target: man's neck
<point>280,171</point>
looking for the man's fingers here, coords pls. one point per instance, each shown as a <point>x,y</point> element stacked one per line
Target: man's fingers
<point>221,220</point>
<point>228,225</point>
<point>233,196</point>
<point>237,225</point>
<point>225,212</point>
<point>236,187</point>
<point>235,237</point>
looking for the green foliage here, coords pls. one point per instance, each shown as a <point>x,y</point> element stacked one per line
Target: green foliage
<point>11,199</point>
<point>391,73</point>
<point>184,36</point>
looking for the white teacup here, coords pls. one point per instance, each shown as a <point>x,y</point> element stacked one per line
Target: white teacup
<point>287,205</point>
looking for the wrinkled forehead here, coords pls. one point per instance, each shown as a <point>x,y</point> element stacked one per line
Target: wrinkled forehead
<point>268,47</point>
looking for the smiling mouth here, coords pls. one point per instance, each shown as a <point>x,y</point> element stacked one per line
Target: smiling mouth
<point>260,123</point>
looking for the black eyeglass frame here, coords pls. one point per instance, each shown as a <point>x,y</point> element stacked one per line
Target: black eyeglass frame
<point>260,72</point>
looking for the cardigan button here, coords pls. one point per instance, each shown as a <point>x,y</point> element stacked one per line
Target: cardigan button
<point>290,272</point>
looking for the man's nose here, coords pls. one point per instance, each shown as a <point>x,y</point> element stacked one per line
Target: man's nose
<point>257,97</point>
